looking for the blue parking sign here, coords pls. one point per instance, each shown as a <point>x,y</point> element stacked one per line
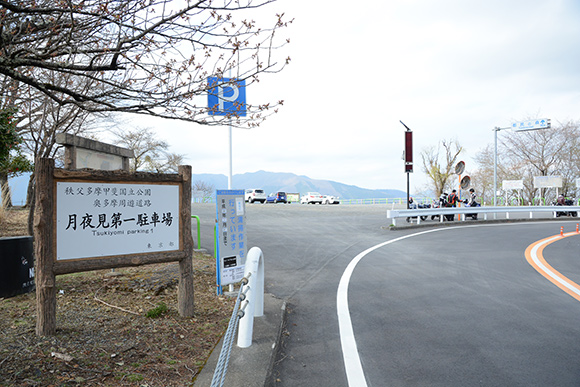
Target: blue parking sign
<point>226,96</point>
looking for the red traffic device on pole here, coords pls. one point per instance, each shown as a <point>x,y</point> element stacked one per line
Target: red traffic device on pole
<point>408,149</point>
<point>408,156</point>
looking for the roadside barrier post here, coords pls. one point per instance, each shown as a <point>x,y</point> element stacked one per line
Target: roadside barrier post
<point>254,297</point>
<point>198,230</point>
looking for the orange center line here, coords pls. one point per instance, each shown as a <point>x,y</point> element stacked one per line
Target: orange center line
<point>535,258</point>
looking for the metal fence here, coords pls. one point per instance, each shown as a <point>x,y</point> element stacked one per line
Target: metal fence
<point>441,213</point>
<point>423,200</point>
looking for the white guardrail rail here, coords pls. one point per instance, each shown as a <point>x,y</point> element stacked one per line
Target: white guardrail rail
<point>428,212</point>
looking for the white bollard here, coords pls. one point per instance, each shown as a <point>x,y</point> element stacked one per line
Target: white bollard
<point>255,296</point>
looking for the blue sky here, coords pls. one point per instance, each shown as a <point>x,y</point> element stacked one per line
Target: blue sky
<point>448,69</point>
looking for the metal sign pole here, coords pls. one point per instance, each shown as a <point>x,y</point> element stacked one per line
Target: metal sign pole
<point>220,104</point>
<point>408,189</point>
<point>495,130</point>
<point>231,162</point>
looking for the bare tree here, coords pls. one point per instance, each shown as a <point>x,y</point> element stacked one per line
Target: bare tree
<point>169,163</point>
<point>524,155</point>
<point>40,118</point>
<point>439,163</point>
<point>539,149</point>
<point>568,165</point>
<point>149,57</point>
<point>537,153</point>
<point>150,152</point>
<point>202,191</point>
<point>482,177</point>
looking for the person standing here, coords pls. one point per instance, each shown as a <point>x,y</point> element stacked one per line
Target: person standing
<point>453,198</point>
<point>472,202</point>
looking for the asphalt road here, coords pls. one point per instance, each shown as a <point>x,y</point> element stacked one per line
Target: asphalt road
<point>450,306</point>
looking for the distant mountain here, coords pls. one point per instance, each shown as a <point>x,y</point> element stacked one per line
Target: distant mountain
<point>268,181</point>
<point>289,182</point>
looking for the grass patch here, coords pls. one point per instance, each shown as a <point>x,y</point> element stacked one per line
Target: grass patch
<point>157,311</point>
<point>134,378</point>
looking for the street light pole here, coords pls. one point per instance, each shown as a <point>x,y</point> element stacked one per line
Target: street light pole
<point>495,130</point>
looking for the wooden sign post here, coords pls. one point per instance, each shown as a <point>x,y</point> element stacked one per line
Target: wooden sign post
<point>101,219</point>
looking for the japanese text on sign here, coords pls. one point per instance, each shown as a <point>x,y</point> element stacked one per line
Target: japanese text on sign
<point>232,246</point>
<point>106,219</point>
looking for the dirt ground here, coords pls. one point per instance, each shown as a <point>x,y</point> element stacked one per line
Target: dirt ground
<point>114,328</point>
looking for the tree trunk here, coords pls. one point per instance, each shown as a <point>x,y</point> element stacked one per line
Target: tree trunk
<point>30,203</point>
<point>31,210</point>
<point>6,197</point>
<point>30,191</point>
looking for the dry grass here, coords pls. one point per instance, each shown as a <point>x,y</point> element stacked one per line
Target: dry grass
<point>13,222</point>
<point>104,337</point>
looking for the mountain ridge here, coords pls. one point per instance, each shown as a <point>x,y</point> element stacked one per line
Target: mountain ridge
<point>292,183</point>
<point>268,181</point>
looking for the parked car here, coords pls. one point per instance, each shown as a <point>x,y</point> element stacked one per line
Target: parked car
<point>311,198</point>
<point>276,197</point>
<point>328,199</point>
<point>255,195</point>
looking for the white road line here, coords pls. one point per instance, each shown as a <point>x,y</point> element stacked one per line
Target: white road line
<point>352,364</point>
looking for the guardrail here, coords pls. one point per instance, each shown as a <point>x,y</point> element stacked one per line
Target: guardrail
<point>374,201</point>
<point>422,212</point>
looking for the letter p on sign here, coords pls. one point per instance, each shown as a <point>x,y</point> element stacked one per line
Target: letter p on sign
<point>226,96</point>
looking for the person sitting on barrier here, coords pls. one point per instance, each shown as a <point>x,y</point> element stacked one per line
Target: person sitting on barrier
<point>443,200</point>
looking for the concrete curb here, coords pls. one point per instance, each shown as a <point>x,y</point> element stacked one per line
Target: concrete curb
<point>253,366</point>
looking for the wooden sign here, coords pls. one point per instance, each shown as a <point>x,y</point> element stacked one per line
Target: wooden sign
<point>76,210</point>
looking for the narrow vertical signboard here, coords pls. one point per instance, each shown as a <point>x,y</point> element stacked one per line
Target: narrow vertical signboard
<point>231,234</point>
